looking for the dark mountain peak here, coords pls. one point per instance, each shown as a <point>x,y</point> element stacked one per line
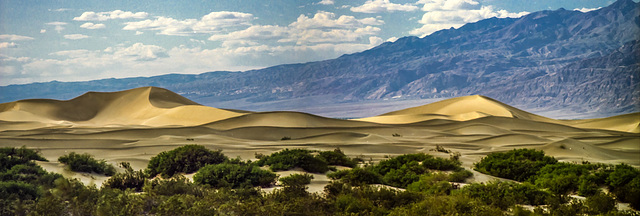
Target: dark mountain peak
<point>623,5</point>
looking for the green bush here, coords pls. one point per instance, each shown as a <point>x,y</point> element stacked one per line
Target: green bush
<point>404,175</point>
<point>228,175</point>
<point>172,186</point>
<point>460,176</point>
<point>294,186</point>
<point>337,157</point>
<point>517,164</point>
<point>432,184</point>
<point>356,176</point>
<point>289,159</point>
<point>506,194</point>
<point>345,199</point>
<point>436,163</point>
<point>10,157</point>
<point>600,203</point>
<point>185,159</point>
<point>86,163</point>
<point>402,170</point>
<point>130,179</point>
<point>12,190</point>
<point>624,182</point>
<point>295,180</point>
<point>561,178</point>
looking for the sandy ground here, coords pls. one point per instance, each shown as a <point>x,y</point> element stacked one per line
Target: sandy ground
<point>136,124</point>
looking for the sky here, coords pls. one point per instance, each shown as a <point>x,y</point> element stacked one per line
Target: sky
<point>79,40</point>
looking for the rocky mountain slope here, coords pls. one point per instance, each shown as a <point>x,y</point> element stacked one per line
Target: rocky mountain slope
<point>553,59</point>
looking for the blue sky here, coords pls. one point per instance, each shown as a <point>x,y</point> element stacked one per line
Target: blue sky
<point>76,40</point>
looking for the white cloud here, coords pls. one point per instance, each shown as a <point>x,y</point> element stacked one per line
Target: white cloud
<point>140,52</point>
<point>58,26</point>
<point>378,6</point>
<point>116,14</point>
<point>43,31</point>
<point>323,19</point>
<point>12,37</point>
<point>326,2</point>
<point>323,27</point>
<point>139,32</point>
<point>445,14</point>
<point>60,9</point>
<point>585,10</point>
<point>197,41</point>
<point>212,22</point>
<point>72,53</point>
<point>436,5</point>
<point>93,26</point>
<point>392,39</point>
<point>256,32</point>
<point>75,36</point>
<point>149,60</point>
<point>8,45</point>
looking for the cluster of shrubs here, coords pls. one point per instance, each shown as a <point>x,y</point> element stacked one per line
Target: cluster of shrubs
<point>560,178</point>
<point>308,160</point>
<point>22,180</point>
<point>403,170</point>
<point>231,187</point>
<point>86,163</point>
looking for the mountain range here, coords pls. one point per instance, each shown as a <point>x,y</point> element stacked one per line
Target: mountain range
<point>561,59</point>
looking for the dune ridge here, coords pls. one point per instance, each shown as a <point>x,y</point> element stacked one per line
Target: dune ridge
<point>150,106</point>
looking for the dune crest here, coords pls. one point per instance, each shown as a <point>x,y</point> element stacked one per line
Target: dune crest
<point>459,109</point>
<point>149,106</point>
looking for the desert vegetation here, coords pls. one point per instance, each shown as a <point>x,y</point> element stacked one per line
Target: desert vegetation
<point>232,187</point>
<point>87,163</point>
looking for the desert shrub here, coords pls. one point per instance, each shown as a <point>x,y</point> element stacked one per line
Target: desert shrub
<point>460,175</point>
<point>176,185</point>
<point>435,183</point>
<point>295,186</point>
<point>456,204</point>
<point>402,170</point>
<point>443,164</point>
<point>185,159</point>
<point>337,157</point>
<point>394,163</point>
<point>289,159</point>
<point>22,182</point>
<point>296,180</point>
<point>357,176</point>
<point>366,200</point>
<point>234,176</point>
<point>624,182</point>
<point>129,179</point>
<point>517,164</point>
<point>20,154</point>
<point>13,190</point>
<point>404,175</point>
<point>600,203</point>
<point>560,178</point>
<point>119,202</point>
<point>506,194</point>
<point>86,163</point>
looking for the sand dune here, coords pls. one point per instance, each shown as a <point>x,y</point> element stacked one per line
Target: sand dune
<point>136,124</point>
<point>284,119</point>
<point>149,106</point>
<point>626,123</point>
<point>460,109</point>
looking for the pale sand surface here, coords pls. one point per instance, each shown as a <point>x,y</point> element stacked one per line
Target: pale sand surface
<point>137,124</point>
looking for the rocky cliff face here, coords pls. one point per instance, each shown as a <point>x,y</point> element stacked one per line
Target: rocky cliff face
<point>569,59</point>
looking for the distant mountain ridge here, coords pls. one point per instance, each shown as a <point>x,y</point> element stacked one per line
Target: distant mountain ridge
<point>564,59</point>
